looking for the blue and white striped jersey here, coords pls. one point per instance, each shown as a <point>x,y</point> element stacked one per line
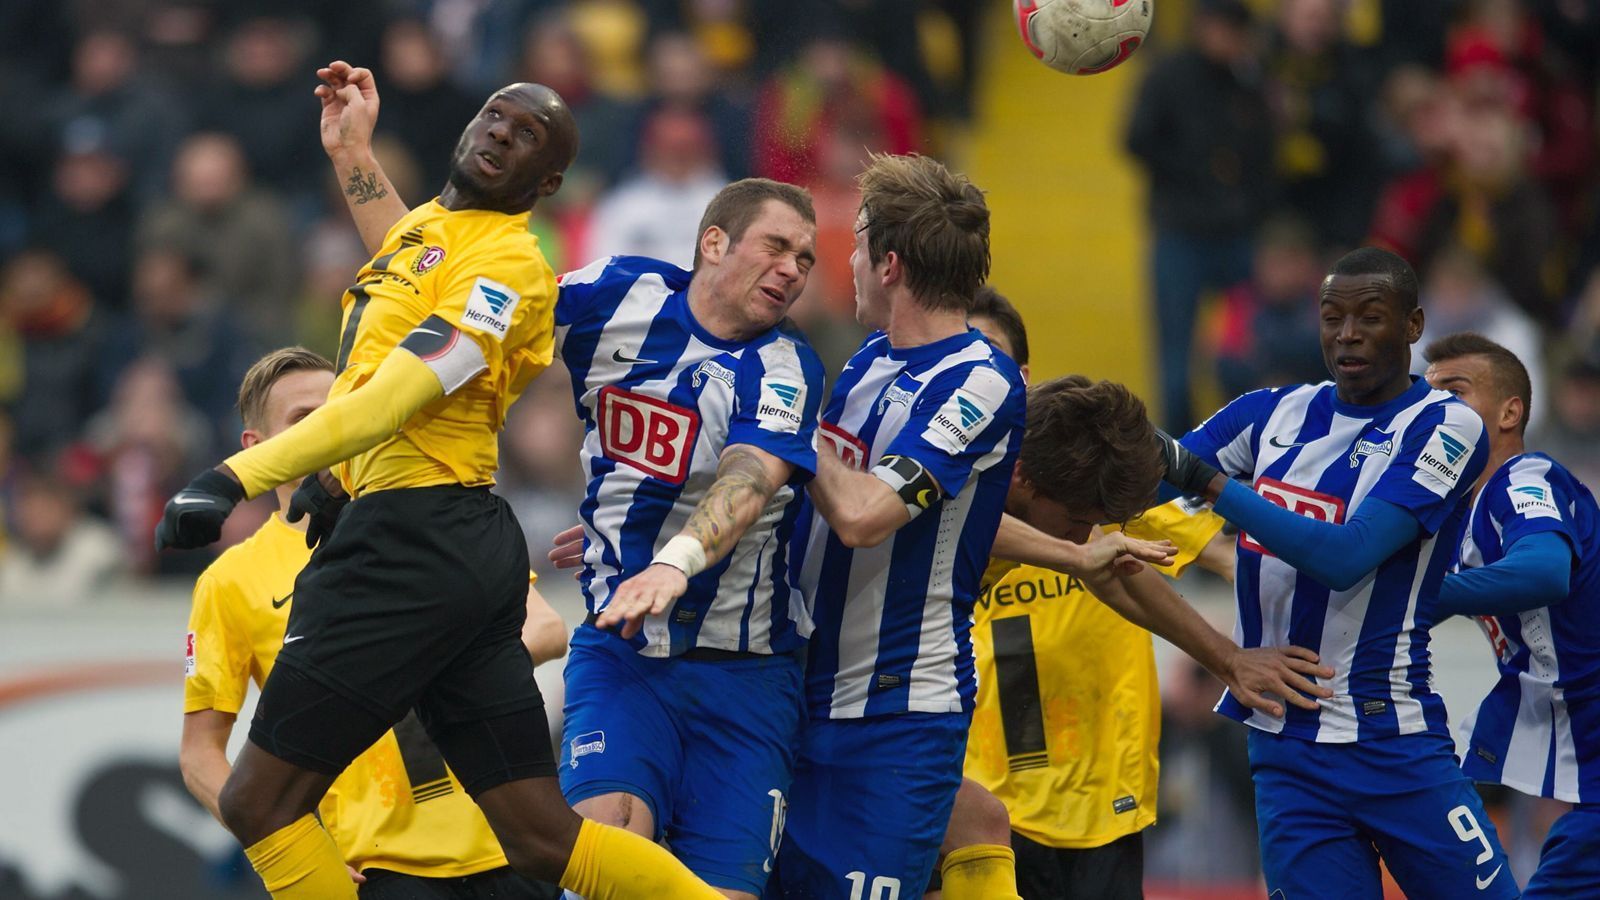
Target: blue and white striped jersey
<point>660,398</point>
<point>1304,449</point>
<point>1539,729</point>
<point>893,621</point>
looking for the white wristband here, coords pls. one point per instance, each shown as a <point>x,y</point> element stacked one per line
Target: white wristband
<point>683,553</point>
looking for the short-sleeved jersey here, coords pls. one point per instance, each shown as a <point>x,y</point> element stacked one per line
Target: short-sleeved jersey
<point>661,398</point>
<point>1539,729</point>
<point>1304,449</point>
<point>481,272</point>
<point>397,806</point>
<point>1069,712</point>
<point>893,622</point>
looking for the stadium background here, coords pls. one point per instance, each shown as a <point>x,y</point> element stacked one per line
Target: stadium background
<point>166,214</point>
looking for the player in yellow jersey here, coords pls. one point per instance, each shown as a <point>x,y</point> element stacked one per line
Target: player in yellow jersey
<point>397,813</point>
<point>416,598</point>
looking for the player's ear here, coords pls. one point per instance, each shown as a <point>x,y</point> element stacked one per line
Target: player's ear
<point>550,184</point>
<point>1025,377</point>
<point>892,270</point>
<point>713,243</point>
<point>250,437</point>
<point>1512,413</point>
<point>1414,322</point>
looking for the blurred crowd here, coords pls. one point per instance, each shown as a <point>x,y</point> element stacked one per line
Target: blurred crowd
<point>1459,133</point>
<point>167,214</point>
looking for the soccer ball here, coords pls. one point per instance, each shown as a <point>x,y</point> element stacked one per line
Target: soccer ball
<point>1082,37</point>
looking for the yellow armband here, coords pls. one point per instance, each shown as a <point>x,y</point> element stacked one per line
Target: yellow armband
<point>347,426</point>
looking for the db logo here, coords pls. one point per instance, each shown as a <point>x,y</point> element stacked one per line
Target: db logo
<point>651,435</point>
<point>847,445</point>
<point>1308,503</point>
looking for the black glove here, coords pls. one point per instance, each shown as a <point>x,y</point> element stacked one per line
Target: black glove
<point>313,498</point>
<point>194,516</point>
<point>1187,472</point>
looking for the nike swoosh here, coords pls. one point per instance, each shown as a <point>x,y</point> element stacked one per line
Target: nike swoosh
<point>290,640</point>
<point>1485,882</point>
<point>278,604</point>
<point>1274,442</point>
<point>180,501</point>
<point>617,356</point>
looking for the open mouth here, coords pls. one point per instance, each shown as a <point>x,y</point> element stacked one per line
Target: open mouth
<point>775,295</point>
<point>1351,365</point>
<point>489,163</point>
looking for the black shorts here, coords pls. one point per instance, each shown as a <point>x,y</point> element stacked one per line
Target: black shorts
<point>1111,872</point>
<point>416,600</point>
<point>495,884</point>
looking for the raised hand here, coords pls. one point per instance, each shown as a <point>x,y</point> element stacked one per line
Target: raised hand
<point>349,96</point>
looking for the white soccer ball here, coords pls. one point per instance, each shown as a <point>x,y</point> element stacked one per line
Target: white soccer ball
<point>1082,37</point>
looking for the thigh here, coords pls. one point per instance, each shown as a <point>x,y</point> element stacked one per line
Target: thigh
<point>869,806</point>
<point>617,736</point>
<point>1439,843</point>
<point>1114,871</point>
<point>1569,864</point>
<point>305,722</point>
<point>1042,871</point>
<point>1311,847</point>
<point>740,722</point>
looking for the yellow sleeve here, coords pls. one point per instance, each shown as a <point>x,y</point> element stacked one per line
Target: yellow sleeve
<point>533,578</point>
<point>505,301</point>
<point>1191,532</point>
<point>217,661</point>
<point>344,427</point>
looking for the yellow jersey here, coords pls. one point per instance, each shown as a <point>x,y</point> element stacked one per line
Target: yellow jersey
<point>397,806</point>
<point>1068,710</point>
<point>482,272</point>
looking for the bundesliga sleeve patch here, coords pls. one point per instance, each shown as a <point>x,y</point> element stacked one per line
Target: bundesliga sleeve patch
<point>1533,501</point>
<point>489,307</point>
<point>188,656</point>
<point>1441,461</point>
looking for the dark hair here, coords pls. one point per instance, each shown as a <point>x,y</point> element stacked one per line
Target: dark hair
<point>1510,375</point>
<point>737,205</point>
<point>1377,261</point>
<point>934,220</point>
<point>258,381</point>
<point>992,305</point>
<point>1090,446</point>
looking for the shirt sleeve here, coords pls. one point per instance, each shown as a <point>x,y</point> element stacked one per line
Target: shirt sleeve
<point>778,397</point>
<point>1530,503</point>
<point>1190,529</point>
<point>502,297</point>
<point>576,291</point>
<point>1440,457</point>
<point>957,422</point>
<point>217,659</point>
<point>1228,440</point>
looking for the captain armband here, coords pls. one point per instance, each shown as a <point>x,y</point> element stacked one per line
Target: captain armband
<point>454,358</point>
<point>914,484</point>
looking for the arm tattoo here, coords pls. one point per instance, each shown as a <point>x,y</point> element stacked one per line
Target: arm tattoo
<point>722,516</point>
<point>364,187</point>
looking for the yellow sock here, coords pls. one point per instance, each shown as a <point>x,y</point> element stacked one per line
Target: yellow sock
<point>980,872</point>
<point>611,864</point>
<point>301,862</point>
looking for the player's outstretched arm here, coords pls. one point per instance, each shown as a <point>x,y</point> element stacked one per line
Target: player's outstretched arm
<point>1536,571</point>
<point>343,427</point>
<point>1107,553</point>
<point>1254,677</point>
<point>349,96</point>
<point>747,477</point>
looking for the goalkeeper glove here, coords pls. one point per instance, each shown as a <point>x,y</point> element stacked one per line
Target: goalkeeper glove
<point>194,516</point>
<point>1185,471</point>
<point>313,498</point>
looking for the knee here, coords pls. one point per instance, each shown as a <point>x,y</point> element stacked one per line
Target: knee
<point>978,818</point>
<point>253,809</point>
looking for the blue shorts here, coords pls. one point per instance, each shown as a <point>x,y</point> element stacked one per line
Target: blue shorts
<point>869,807</point>
<point>1328,811</point>
<point>708,745</point>
<point>1569,864</point>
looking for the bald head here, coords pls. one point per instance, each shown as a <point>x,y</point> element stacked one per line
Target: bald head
<point>513,152</point>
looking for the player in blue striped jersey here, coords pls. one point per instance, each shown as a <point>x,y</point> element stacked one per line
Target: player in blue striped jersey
<point>1530,574</point>
<point>917,447</point>
<point>699,403</point>
<point>1350,500</point>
